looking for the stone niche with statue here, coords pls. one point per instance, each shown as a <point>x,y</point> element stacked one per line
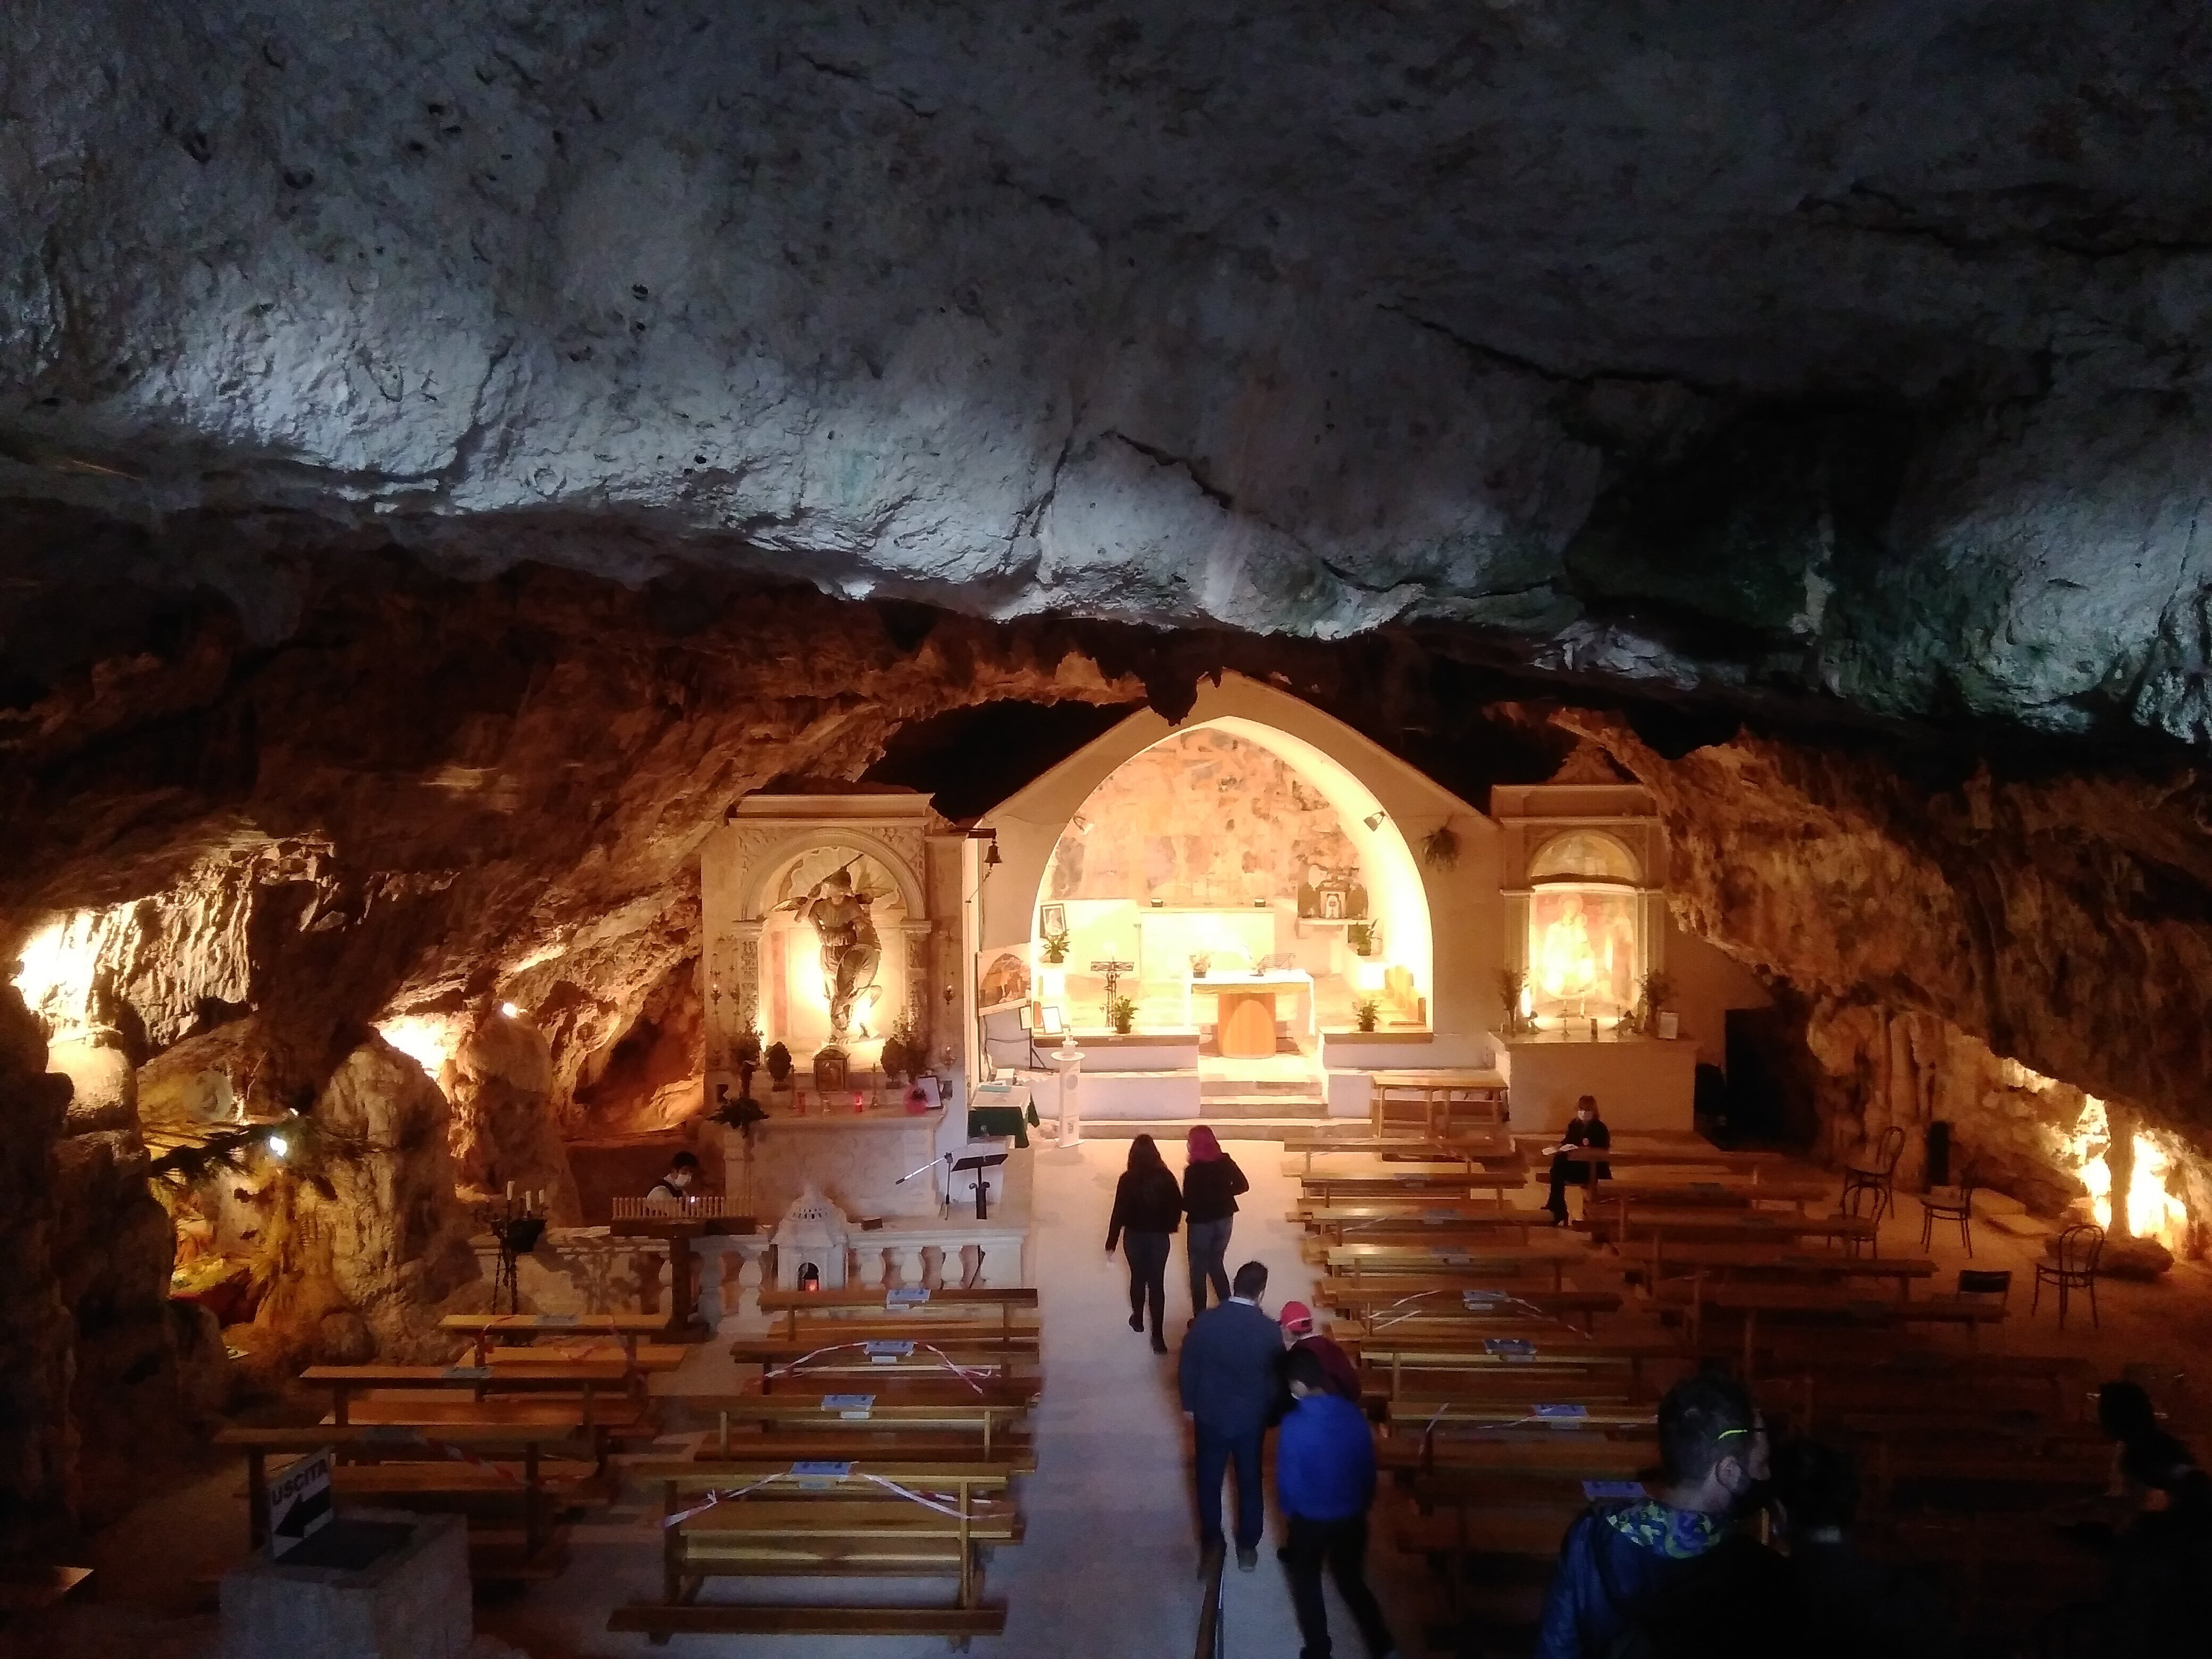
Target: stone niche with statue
<point>833,945</point>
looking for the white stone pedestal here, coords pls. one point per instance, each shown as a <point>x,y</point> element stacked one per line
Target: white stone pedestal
<point>412,1604</point>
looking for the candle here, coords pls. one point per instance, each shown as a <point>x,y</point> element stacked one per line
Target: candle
<point>510,1192</point>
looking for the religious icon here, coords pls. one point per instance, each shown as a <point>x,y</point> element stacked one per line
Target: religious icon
<point>1581,945</point>
<point>850,948</point>
<point>1002,978</point>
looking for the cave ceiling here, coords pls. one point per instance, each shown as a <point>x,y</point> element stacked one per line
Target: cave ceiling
<point>1843,357</point>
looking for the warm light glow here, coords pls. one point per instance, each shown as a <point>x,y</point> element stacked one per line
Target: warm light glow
<point>428,1040</point>
<point>278,1146</point>
<point>509,1010</point>
<point>2152,1212</point>
<point>58,962</point>
<point>1584,946</point>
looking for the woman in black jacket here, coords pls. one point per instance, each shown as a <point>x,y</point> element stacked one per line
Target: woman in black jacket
<point>1147,1210</point>
<point>1211,1182</point>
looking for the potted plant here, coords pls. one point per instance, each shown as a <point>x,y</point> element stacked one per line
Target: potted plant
<point>1201,964</point>
<point>1360,936</point>
<point>779,1066</point>
<point>1120,1013</point>
<point>1511,982</point>
<point>746,1050</point>
<point>1653,1016</point>
<point>1054,947</point>
<point>1364,1014</point>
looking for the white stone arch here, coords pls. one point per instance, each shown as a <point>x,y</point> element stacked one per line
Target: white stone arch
<point>1399,893</point>
<point>770,857</point>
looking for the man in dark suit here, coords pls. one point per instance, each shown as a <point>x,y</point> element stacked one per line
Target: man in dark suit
<point>1587,1130</point>
<point>1228,1377</point>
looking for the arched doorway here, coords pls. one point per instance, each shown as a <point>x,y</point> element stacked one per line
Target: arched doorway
<point>1230,848</point>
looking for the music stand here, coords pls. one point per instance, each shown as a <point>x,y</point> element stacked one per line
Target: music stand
<point>980,1163</point>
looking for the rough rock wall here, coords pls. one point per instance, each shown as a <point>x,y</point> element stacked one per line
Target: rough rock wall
<point>506,1129</point>
<point>2063,919</point>
<point>653,1076</point>
<point>38,1441</point>
<point>370,1240</point>
<point>1840,351</point>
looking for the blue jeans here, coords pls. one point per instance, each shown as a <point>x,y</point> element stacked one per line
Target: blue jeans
<point>1215,1450</point>
<point>1208,1244</point>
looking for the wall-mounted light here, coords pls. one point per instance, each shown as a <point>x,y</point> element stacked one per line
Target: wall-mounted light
<point>509,1010</point>
<point>1373,820</point>
<point>278,1146</point>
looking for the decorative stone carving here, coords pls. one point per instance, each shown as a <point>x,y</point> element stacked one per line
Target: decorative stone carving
<point>812,1233</point>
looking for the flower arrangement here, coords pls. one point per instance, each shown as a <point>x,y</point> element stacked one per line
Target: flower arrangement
<point>1120,1013</point>
<point>1054,947</point>
<point>1365,1014</point>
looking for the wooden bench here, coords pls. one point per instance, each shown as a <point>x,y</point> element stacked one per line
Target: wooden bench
<point>1011,1308</point>
<point>1371,1224</point>
<point>839,1521</point>
<point>1493,1149</point>
<point>1659,1151</point>
<point>1390,1359</point>
<point>1378,1300</point>
<point>1436,1097</point>
<point>785,1363</point>
<point>486,1331</point>
<point>1319,1192</point>
<point>1700,1226</point>
<point>1472,1262</point>
<point>1724,1194</point>
<point>1722,1262</point>
<point>590,1380</point>
<point>1821,1304</point>
<point>907,1405</point>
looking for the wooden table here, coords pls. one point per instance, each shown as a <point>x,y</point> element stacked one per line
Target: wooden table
<point>1437,1095</point>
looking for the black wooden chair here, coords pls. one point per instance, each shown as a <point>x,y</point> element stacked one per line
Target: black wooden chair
<point>1951,1204</point>
<point>1862,1204</point>
<point>2071,1266</point>
<point>1879,1176</point>
<point>1993,1282</point>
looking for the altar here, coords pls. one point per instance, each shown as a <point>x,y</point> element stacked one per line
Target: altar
<point>854,1158</point>
<point>1245,1009</point>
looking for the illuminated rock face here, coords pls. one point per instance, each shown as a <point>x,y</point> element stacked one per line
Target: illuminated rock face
<point>1819,355</point>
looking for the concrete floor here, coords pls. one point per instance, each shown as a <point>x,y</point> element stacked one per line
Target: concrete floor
<point>1108,1567</point>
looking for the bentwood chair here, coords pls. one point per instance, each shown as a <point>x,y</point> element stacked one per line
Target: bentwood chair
<point>1995,1283</point>
<point>1879,1176</point>
<point>1862,1203</point>
<point>2071,1266</point>
<point>1951,1204</point>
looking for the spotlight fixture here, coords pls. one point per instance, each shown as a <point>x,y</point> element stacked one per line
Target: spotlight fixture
<point>509,1010</point>
<point>1373,820</point>
<point>278,1146</point>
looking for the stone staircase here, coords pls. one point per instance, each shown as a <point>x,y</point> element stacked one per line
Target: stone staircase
<point>1238,1109</point>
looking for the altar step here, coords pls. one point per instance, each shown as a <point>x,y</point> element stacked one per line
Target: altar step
<point>1168,1129</point>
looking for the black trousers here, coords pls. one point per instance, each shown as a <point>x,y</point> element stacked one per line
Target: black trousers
<point>1342,1545</point>
<point>1565,1172</point>
<point>1148,1254</point>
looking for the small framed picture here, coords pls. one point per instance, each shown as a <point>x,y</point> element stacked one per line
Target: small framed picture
<point>1051,919</point>
<point>1055,1022</point>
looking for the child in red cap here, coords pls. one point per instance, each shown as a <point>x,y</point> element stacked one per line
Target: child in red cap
<point>1298,1323</point>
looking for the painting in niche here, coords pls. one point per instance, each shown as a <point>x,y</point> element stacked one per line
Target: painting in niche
<point>1582,947</point>
<point>1002,980</point>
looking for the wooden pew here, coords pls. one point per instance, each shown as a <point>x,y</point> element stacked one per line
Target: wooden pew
<point>1321,1191</point>
<point>1623,1365</point>
<point>1481,1149</point>
<point>1821,1304</point>
<point>839,1521</point>
<point>1656,1152</point>
<point>1702,1226</point>
<point>1373,1300</point>
<point>787,1363</point>
<point>1725,1193</point>
<point>1472,1262</point>
<point>1010,1308</point>
<point>627,1330</point>
<point>609,1392</point>
<point>909,1405</point>
<point>505,1474</point>
<point>1722,1262</point>
<point>1371,1224</point>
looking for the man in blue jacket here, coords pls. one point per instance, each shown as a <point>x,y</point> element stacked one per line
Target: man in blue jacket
<point>1227,1374</point>
<point>1325,1477</point>
<point>1674,1575</point>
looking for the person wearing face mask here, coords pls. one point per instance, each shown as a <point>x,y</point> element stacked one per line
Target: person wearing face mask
<point>683,1175</point>
<point>1674,1574</point>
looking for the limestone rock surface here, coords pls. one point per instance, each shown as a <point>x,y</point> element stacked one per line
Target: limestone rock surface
<point>1846,355</point>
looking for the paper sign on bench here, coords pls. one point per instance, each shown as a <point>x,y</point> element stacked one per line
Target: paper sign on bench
<point>299,1502</point>
<point>1481,1298</point>
<point>1440,1217</point>
<point>852,1407</point>
<point>1574,1412</point>
<point>890,1352</point>
<point>467,1374</point>
<point>817,1473</point>
<point>906,1296</point>
<point>557,1321</point>
<point>1598,1491</point>
<point>1509,1347</point>
<point>390,1434</point>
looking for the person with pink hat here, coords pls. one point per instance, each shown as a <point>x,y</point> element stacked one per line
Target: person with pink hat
<point>1211,1182</point>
